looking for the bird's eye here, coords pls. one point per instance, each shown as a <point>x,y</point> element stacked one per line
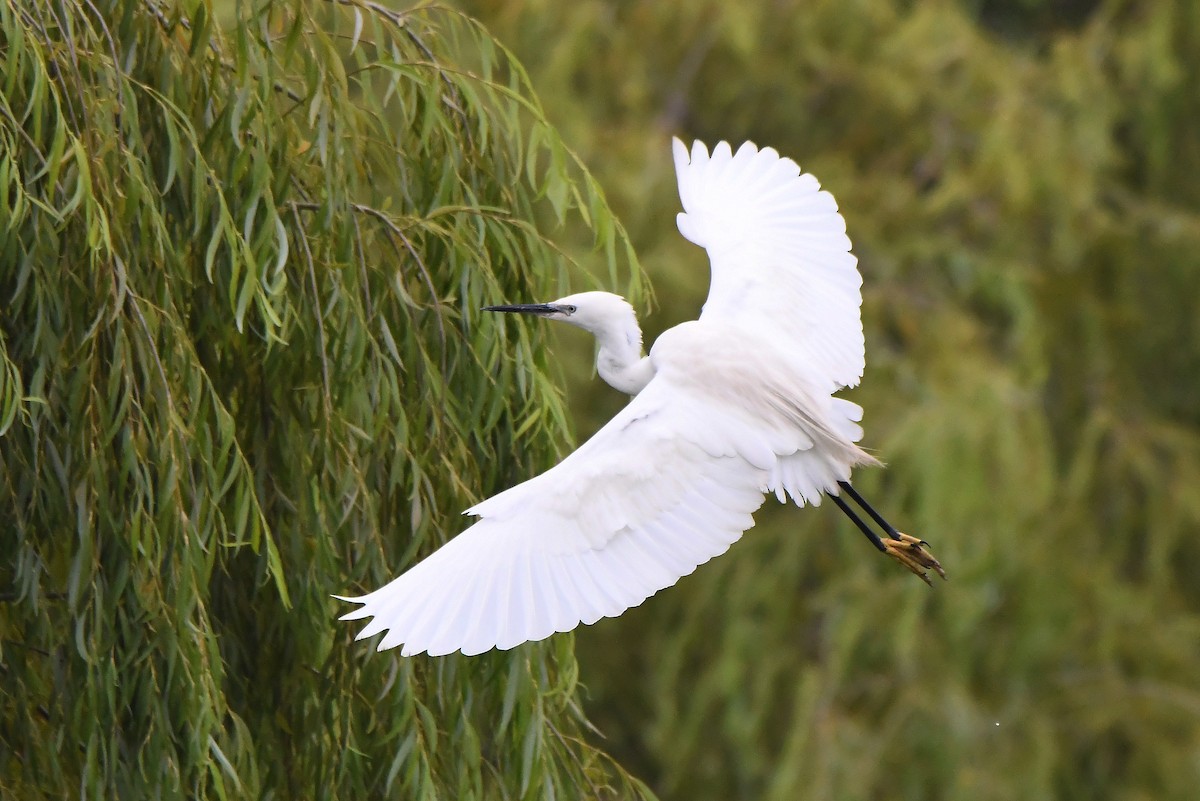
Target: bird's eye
<point>569,309</point>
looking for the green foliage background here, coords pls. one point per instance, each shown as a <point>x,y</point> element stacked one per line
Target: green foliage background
<point>240,253</point>
<point>1019,181</point>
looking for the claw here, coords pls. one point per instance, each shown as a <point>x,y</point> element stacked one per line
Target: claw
<point>913,554</point>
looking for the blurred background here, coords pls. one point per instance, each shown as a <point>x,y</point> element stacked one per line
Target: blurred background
<point>1020,184</point>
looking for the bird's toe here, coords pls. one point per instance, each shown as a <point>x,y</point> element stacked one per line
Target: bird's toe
<point>914,554</point>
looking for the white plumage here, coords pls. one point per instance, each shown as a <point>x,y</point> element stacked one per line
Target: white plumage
<point>780,256</point>
<point>726,407</point>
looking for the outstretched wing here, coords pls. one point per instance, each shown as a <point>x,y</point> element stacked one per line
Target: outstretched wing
<point>658,491</point>
<point>780,256</point>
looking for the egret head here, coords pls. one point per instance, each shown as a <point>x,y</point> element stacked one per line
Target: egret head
<point>612,321</point>
<point>592,311</point>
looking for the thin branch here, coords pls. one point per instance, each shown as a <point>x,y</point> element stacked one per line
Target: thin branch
<point>574,756</point>
<point>397,233</point>
<point>116,63</point>
<point>400,20</point>
<point>131,301</point>
<point>361,251</point>
<point>228,66</point>
<point>56,74</point>
<point>326,398</point>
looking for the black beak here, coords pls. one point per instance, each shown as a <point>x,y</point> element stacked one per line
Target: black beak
<point>540,309</point>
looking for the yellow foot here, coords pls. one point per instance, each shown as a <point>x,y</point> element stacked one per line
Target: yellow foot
<point>913,554</point>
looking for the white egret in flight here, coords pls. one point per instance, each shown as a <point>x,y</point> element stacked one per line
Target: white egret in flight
<point>725,408</point>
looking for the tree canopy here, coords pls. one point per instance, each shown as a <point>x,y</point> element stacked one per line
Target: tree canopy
<point>241,260</point>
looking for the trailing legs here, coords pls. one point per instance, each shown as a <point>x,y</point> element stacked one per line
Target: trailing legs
<point>909,551</point>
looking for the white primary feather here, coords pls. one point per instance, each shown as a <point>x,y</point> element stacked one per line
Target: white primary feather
<point>635,508</point>
<point>779,253</point>
<point>739,403</point>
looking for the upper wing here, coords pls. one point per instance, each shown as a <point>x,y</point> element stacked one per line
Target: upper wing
<point>662,488</point>
<point>779,252</point>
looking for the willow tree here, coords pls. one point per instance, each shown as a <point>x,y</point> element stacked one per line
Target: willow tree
<point>243,369</point>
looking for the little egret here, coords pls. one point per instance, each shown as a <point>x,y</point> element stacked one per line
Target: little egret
<point>725,408</point>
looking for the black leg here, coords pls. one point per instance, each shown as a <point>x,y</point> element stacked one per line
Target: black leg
<point>878,518</point>
<point>863,527</point>
<point>911,552</point>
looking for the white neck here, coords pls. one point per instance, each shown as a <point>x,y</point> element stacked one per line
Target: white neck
<point>619,359</point>
<point>630,377</point>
